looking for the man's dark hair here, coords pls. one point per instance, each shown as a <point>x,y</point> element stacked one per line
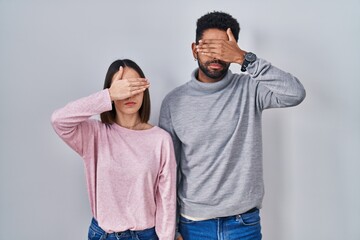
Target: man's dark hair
<point>218,20</point>
<point>144,111</point>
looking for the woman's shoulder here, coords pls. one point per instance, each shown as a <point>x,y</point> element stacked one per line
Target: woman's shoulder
<point>162,133</point>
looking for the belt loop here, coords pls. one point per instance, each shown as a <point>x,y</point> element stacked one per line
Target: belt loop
<point>104,236</point>
<point>134,235</point>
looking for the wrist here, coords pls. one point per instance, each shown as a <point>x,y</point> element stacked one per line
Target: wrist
<point>248,59</point>
<point>111,97</point>
<point>241,57</point>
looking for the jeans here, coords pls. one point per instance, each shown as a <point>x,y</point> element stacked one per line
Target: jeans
<point>96,233</point>
<point>244,226</point>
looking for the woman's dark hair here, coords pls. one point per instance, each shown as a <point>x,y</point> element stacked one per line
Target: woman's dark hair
<point>218,20</point>
<point>144,111</point>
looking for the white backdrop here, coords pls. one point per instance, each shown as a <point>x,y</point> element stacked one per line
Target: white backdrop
<point>55,52</point>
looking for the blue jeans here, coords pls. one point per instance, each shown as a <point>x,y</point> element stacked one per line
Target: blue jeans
<point>96,233</point>
<point>244,226</point>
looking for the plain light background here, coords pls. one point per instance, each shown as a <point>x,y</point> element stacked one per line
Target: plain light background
<point>53,52</point>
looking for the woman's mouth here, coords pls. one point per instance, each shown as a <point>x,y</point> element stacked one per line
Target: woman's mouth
<point>130,104</point>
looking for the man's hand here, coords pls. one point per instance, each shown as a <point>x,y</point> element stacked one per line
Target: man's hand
<point>227,51</point>
<point>179,238</point>
<point>124,88</point>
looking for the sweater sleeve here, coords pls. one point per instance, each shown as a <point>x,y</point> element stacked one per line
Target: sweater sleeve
<point>165,123</point>
<point>72,122</point>
<point>166,193</point>
<point>275,88</point>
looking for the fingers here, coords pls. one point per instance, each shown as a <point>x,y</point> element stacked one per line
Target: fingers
<point>119,74</point>
<point>140,90</point>
<point>212,55</point>
<point>134,88</point>
<point>138,85</point>
<point>207,41</point>
<point>138,81</point>
<point>210,49</point>
<point>222,49</point>
<point>230,35</point>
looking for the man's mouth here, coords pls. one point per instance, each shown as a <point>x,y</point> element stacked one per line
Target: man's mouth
<point>216,66</point>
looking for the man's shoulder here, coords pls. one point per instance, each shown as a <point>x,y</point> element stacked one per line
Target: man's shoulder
<point>177,93</point>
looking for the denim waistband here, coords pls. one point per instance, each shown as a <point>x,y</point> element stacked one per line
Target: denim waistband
<point>251,210</point>
<point>255,209</point>
<point>95,227</point>
<point>237,215</point>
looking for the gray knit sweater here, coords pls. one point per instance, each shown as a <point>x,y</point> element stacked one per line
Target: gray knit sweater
<point>216,130</point>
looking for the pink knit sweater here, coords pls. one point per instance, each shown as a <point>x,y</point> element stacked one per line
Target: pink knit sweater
<point>131,174</point>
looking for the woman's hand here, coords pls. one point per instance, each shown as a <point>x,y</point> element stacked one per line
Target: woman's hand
<point>121,89</point>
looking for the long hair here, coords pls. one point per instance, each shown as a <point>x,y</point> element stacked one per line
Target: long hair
<point>144,111</point>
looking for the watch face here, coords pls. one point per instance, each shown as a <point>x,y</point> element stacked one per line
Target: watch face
<point>251,57</point>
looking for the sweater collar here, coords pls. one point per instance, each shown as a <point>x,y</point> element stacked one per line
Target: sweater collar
<point>209,87</point>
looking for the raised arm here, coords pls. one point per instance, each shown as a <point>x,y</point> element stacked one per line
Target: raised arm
<point>273,87</point>
<point>72,122</point>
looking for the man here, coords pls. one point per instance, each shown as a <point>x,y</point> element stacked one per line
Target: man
<point>215,122</point>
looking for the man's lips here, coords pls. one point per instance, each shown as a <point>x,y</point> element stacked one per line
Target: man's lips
<point>215,66</point>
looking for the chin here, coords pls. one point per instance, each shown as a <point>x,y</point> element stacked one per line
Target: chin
<point>130,111</point>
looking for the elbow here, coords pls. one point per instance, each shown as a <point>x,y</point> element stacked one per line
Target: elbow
<point>293,99</point>
<point>300,96</point>
<point>298,93</point>
<point>55,121</point>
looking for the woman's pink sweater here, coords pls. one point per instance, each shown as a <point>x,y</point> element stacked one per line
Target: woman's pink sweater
<point>131,174</point>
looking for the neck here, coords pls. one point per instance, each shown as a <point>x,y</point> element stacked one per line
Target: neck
<point>130,121</point>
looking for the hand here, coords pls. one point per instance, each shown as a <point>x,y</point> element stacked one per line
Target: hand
<point>179,238</point>
<point>121,89</point>
<point>227,51</point>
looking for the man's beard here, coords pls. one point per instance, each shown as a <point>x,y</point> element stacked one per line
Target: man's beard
<point>216,75</point>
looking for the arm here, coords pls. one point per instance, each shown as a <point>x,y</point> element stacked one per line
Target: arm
<point>273,87</point>
<point>166,193</point>
<point>71,122</point>
<point>166,124</point>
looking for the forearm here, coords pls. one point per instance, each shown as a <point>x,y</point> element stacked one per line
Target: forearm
<point>275,87</point>
<point>68,117</point>
<point>70,122</point>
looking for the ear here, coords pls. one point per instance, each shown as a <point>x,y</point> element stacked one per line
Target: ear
<point>193,48</point>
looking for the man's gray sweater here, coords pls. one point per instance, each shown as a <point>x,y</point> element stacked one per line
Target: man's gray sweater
<point>216,129</point>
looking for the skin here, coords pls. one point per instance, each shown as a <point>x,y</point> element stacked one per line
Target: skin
<point>127,92</point>
<point>220,45</point>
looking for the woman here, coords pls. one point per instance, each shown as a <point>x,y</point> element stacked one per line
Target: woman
<point>130,164</point>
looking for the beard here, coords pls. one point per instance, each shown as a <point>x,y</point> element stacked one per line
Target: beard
<point>214,74</point>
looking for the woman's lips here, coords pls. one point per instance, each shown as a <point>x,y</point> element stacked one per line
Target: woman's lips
<point>130,104</point>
